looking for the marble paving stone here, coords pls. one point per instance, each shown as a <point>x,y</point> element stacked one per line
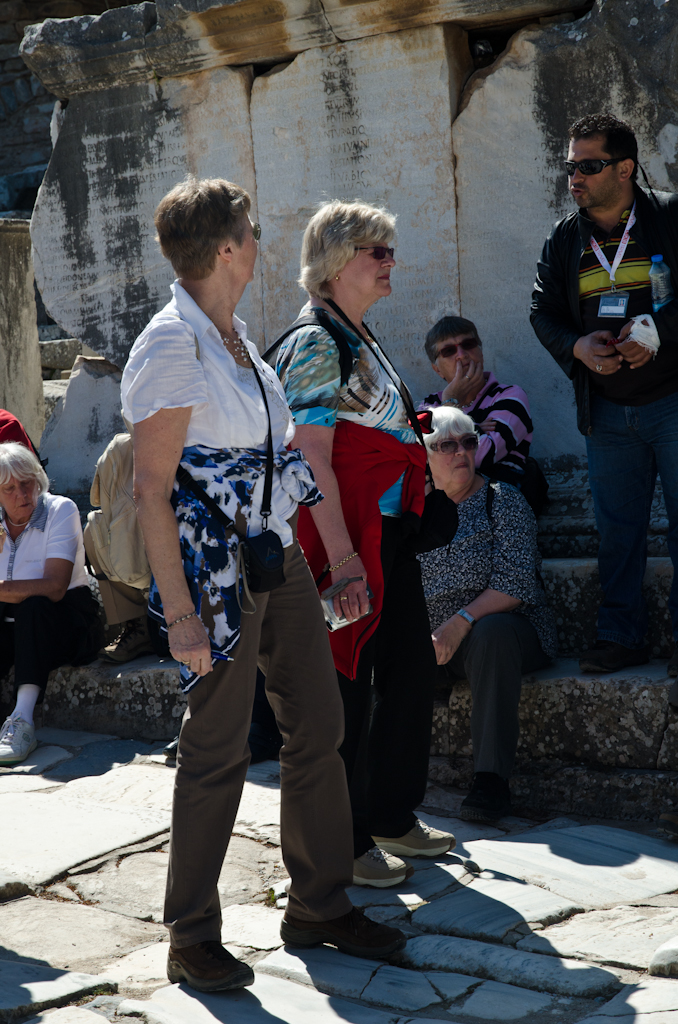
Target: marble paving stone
<point>41,760</point>
<point>29,987</point>
<point>268,1001</point>
<point>131,785</point>
<point>463,831</point>
<point>548,826</point>
<point>67,1015</point>
<point>626,936</point>
<point>495,1001</point>
<point>45,834</point>
<point>99,758</point>
<point>71,738</point>
<point>11,783</point>
<point>665,959</point>
<point>396,916</point>
<point>252,925</point>
<point>69,935</point>
<point>264,771</point>
<point>651,1001</point>
<point>488,908</point>
<point>592,865</point>
<point>451,986</point>
<point>258,815</point>
<point>135,886</point>
<point>322,968</point>
<point>425,884</point>
<point>514,967</point>
<point>143,968</point>
<point>400,989</point>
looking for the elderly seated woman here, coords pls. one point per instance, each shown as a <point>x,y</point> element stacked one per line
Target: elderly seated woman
<point>488,610</point>
<point>48,616</point>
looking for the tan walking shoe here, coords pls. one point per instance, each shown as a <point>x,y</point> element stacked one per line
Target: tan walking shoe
<point>420,841</point>
<point>379,869</point>
<point>208,967</point>
<point>130,643</point>
<point>353,933</point>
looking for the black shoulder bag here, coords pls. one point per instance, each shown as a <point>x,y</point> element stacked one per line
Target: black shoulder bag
<point>259,558</point>
<point>318,318</point>
<point>439,520</point>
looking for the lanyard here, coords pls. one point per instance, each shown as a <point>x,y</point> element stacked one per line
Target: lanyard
<point>621,249</point>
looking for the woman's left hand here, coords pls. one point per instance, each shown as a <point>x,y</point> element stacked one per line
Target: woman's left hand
<point>448,636</point>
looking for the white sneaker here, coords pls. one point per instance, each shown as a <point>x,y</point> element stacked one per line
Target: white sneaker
<point>380,869</point>
<point>17,740</point>
<point>420,841</point>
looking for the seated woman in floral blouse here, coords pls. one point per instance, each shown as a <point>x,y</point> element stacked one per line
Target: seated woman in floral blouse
<point>487,605</point>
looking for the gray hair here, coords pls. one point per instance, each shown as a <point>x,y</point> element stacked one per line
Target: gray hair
<point>448,422</point>
<point>331,237</point>
<point>19,463</point>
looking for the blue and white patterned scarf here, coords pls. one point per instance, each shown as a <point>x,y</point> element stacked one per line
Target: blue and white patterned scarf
<point>229,476</point>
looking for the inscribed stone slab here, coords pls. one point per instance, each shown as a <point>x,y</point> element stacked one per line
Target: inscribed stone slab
<point>323,128</point>
<point>494,1001</point>
<point>26,987</point>
<point>45,834</point>
<point>323,968</point>
<point>268,1000</point>
<point>119,151</point>
<point>69,935</point>
<point>401,989</point>
<point>501,963</point>
<point>41,760</point>
<point>626,936</point>
<point>252,925</point>
<point>591,864</point>
<point>425,884</point>
<point>488,908</point>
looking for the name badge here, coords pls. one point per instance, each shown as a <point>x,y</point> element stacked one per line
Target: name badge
<point>613,304</point>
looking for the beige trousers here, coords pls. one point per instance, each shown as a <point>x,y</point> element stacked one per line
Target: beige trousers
<point>121,603</point>
<point>287,636</point>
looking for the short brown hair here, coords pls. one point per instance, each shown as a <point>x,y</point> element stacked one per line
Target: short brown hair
<point>195,218</point>
<point>448,327</point>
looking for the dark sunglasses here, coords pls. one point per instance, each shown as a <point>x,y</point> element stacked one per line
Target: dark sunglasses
<point>379,252</point>
<point>451,350</point>
<point>256,231</point>
<point>591,166</point>
<point>468,443</point>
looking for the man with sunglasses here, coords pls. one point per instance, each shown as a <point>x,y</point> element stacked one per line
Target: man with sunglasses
<point>592,283</point>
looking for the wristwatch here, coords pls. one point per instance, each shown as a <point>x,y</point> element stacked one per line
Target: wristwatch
<point>465,615</point>
<point>452,401</point>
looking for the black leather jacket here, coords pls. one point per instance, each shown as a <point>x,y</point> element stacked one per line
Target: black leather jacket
<point>555,312</point>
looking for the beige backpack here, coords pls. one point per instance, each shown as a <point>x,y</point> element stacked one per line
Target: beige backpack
<point>114,527</point>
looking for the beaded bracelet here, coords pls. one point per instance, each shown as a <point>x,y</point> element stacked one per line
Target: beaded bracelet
<point>333,568</point>
<point>182,618</point>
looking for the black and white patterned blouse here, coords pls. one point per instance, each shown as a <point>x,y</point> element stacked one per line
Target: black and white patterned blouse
<point>499,554</point>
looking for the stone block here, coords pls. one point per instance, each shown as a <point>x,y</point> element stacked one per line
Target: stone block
<point>28,987</point>
<point>625,936</point>
<point>59,355</point>
<point>624,795</point>
<point>322,968</point>
<point>323,128</point>
<point>511,966</point>
<point>20,374</point>
<point>53,392</point>
<point>495,1001</point>
<point>521,96</point>
<point>97,262</point>
<point>87,419</point>
<point>664,960</point>
<point>617,719</point>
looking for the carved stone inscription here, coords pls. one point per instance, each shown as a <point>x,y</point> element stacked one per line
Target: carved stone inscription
<point>97,263</point>
<point>333,124</point>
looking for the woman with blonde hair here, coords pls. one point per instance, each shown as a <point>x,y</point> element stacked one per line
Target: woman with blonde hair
<point>350,408</point>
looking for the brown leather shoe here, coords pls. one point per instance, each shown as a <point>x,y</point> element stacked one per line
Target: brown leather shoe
<point>354,933</point>
<point>208,967</point>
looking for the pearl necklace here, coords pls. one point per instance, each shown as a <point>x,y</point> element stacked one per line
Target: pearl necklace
<point>239,347</point>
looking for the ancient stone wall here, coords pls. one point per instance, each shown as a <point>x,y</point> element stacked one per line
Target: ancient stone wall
<point>20,376</point>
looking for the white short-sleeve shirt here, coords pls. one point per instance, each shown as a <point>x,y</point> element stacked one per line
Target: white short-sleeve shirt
<point>180,360</point>
<point>54,531</point>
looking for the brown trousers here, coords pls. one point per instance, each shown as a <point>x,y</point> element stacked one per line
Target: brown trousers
<point>288,638</point>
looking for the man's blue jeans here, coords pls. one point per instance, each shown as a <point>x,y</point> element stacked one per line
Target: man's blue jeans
<point>628,446</point>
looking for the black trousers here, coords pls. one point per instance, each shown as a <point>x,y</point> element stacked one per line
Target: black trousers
<point>386,753</point>
<point>47,634</point>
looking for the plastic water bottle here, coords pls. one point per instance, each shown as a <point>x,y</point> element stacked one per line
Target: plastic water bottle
<point>660,280</point>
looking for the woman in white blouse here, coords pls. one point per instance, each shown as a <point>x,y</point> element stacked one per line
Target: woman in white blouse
<point>48,616</point>
<point>191,391</point>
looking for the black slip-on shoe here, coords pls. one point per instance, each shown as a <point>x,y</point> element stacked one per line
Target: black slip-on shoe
<point>489,799</point>
<point>611,657</point>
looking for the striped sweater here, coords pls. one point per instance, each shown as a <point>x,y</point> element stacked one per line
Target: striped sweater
<point>509,443</point>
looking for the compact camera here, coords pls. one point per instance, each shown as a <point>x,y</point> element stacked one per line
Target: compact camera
<point>333,620</point>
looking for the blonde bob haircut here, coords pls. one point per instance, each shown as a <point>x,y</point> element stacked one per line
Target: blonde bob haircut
<point>195,218</point>
<point>331,238</point>
<point>448,422</point>
<point>17,462</point>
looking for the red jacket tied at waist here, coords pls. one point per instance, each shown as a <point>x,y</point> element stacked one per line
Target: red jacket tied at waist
<point>366,462</point>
